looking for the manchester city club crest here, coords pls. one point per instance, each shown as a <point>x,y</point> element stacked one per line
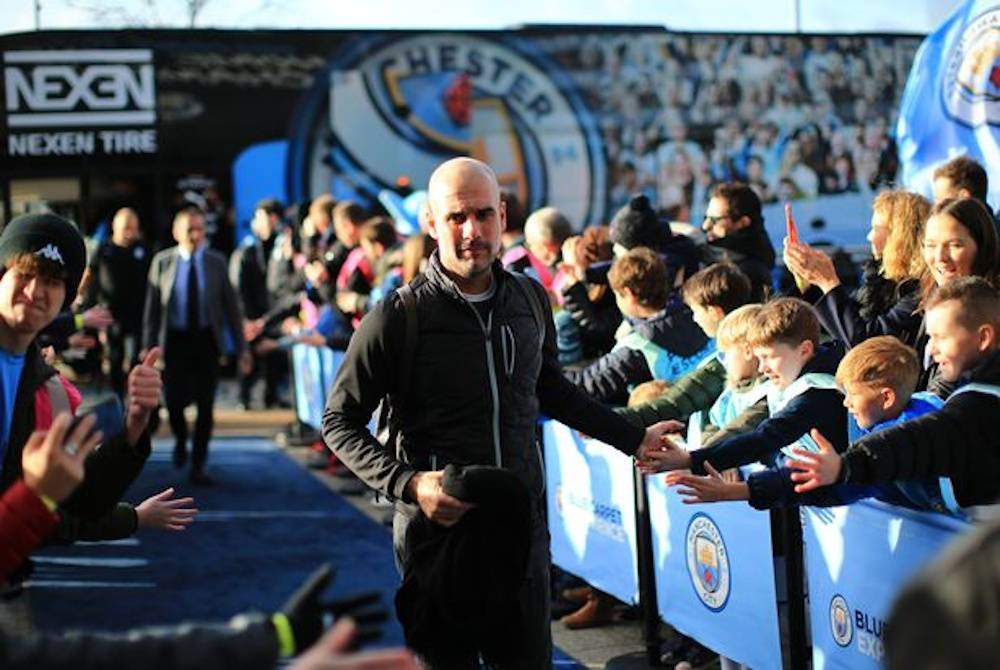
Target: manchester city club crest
<point>392,108</point>
<point>840,621</point>
<point>971,85</point>
<point>708,562</point>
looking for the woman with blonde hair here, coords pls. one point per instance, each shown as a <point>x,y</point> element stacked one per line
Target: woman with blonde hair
<point>888,302</point>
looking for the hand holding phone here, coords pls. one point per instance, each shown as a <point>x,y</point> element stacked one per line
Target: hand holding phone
<point>792,232</point>
<point>109,418</point>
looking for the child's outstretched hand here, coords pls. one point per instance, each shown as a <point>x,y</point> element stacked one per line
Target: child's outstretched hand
<point>163,512</point>
<point>712,487</point>
<point>815,468</point>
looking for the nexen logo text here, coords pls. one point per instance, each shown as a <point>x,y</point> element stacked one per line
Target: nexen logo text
<point>111,87</point>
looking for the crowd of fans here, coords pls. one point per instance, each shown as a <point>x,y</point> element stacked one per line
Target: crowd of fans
<point>793,117</point>
<point>643,312</point>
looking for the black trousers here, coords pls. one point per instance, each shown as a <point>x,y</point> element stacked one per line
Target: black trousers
<point>123,354</point>
<point>191,375</point>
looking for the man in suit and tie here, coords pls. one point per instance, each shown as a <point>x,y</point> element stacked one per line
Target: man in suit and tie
<point>189,304</point>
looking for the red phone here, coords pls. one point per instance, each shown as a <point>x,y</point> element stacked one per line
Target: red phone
<point>791,230</point>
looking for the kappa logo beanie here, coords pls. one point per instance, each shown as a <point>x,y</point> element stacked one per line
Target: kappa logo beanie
<point>52,237</point>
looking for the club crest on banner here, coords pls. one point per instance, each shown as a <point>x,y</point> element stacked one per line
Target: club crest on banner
<point>708,562</point>
<point>971,85</point>
<point>419,100</point>
<point>840,621</point>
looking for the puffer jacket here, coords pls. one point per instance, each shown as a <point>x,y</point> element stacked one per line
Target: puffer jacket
<point>693,392</point>
<point>666,346</point>
<point>474,392</point>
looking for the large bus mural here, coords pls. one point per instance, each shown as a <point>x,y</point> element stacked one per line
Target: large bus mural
<point>579,118</point>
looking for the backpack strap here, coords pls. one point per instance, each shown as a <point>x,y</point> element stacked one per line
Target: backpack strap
<point>389,417</point>
<point>526,285</point>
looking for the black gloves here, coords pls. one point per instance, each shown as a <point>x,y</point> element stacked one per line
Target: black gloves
<point>305,613</point>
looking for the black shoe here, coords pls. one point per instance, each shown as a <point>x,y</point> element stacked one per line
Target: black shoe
<point>199,478</point>
<point>180,455</point>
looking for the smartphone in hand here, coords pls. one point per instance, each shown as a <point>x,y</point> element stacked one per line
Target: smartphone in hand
<point>109,415</point>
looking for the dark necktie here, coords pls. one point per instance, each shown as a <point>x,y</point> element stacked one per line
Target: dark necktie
<point>193,298</point>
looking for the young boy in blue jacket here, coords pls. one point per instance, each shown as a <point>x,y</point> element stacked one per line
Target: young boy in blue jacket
<point>785,340</point>
<point>878,378</point>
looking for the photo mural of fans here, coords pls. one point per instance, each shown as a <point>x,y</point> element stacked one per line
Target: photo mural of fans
<point>577,118</point>
<point>793,116</point>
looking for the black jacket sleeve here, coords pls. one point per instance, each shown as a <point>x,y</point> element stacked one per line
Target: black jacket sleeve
<point>815,408</point>
<point>121,522</point>
<point>367,373</point>
<point>109,471</point>
<point>248,642</point>
<point>597,321</point>
<point>775,488</point>
<point>607,379</point>
<point>960,441</point>
<point>840,315</point>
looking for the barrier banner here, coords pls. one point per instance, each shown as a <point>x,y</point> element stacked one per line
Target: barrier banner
<point>857,558</point>
<point>715,574</point>
<point>314,371</point>
<point>590,491</point>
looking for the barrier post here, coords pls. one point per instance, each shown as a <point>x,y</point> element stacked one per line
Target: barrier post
<point>791,533</point>
<point>647,572</point>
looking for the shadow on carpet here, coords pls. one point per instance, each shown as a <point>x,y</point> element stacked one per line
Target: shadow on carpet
<point>260,531</point>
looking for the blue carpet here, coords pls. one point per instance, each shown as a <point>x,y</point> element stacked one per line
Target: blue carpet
<point>261,530</point>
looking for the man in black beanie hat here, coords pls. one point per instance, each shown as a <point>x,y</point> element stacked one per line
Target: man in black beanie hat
<point>638,225</point>
<point>42,258</point>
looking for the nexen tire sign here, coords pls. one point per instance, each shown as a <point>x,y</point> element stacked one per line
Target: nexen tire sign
<point>399,108</point>
<point>55,101</point>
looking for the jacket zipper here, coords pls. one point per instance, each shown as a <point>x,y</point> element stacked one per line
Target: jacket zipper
<point>494,388</point>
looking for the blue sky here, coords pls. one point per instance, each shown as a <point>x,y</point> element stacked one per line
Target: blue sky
<point>920,16</point>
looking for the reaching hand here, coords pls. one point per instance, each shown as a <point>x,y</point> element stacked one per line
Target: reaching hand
<point>438,506</point>
<point>143,395</point>
<point>166,513</point>
<point>815,469</point>
<point>52,470</point>
<point>712,487</point>
<point>329,653</point>
<point>98,317</point>
<point>657,452</point>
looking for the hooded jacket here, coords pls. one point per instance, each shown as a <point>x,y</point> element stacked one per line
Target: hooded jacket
<point>814,408</point>
<point>959,441</point>
<point>664,346</point>
<point>474,392</point>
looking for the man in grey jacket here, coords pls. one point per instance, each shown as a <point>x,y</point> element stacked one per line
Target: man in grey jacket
<point>189,305</point>
<point>481,366</point>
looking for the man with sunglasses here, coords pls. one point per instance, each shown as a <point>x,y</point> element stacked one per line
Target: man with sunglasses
<point>735,229</point>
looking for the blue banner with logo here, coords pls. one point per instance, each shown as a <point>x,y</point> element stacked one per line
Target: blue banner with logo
<point>591,500</point>
<point>715,574</point>
<point>857,559</point>
<point>314,370</point>
<point>950,105</point>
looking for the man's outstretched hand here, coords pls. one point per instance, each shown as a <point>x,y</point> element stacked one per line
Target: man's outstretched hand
<point>144,387</point>
<point>657,452</point>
